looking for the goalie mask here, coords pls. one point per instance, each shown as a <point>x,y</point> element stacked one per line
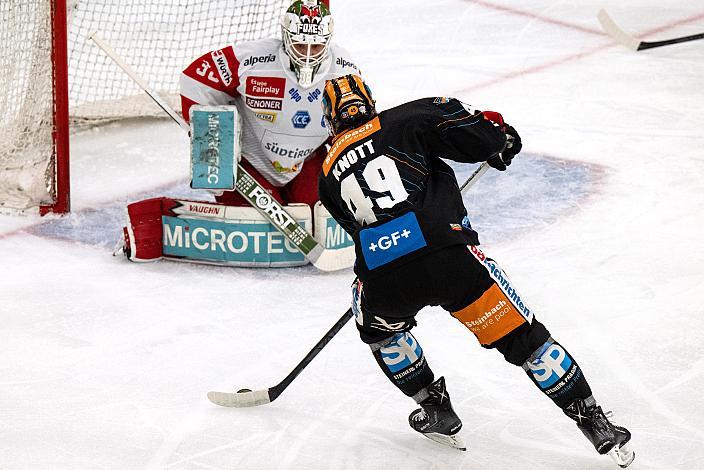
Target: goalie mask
<point>306,29</point>
<point>347,103</point>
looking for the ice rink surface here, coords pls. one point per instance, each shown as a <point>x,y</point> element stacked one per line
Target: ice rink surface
<point>105,364</point>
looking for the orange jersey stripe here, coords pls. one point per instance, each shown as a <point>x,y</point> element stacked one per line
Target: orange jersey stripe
<point>347,139</point>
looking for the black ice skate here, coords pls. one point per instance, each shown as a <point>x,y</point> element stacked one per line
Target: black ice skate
<point>606,437</point>
<point>436,419</point>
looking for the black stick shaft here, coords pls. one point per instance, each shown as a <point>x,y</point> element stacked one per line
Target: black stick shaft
<point>667,42</point>
<point>276,390</point>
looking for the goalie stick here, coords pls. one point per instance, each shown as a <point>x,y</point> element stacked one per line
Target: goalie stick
<point>249,188</point>
<point>634,44</point>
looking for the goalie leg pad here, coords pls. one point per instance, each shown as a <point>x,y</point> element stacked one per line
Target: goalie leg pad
<point>143,233</point>
<point>209,233</point>
<point>236,236</point>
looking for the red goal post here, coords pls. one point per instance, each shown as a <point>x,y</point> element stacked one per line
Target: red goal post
<point>53,80</point>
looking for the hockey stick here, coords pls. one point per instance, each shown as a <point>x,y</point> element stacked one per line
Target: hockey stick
<point>250,189</point>
<point>634,44</point>
<point>245,397</point>
<point>474,177</point>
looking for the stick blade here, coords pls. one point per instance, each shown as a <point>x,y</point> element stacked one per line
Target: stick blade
<point>613,30</point>
<point>332,260</point>
<point>240,399</point>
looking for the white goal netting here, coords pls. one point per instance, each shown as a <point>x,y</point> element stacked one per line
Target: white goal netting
<point>158,38</point>
<point>26,104</point>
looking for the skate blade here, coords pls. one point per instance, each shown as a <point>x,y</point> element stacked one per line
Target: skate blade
<point>623,456</point>
<point>452,441</point>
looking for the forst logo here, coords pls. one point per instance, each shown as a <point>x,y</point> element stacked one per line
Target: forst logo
<point>251,60</point>
<point>301,119</point>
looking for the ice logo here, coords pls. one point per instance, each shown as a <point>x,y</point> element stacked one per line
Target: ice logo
<point>550,366</point>
<point>401,352</point>
<point>301,119</point>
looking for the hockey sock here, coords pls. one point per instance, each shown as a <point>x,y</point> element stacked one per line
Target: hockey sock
<point>402,360</point>
<point>557,374</point>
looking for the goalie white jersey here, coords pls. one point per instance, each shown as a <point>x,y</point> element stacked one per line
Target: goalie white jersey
<point>282,122</point>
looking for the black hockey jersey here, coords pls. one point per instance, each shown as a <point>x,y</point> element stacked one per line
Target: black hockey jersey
<point>386,185</point>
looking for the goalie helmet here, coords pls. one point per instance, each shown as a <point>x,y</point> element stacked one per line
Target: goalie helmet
<point>306,28</point>
<point>347,103</point>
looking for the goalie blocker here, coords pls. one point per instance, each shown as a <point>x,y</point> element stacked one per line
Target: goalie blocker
<point>212,233</point>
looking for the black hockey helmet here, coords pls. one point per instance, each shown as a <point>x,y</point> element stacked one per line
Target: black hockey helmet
<point>347,103</point>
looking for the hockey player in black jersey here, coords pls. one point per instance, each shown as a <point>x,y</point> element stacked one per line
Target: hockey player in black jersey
<point>384,181</point>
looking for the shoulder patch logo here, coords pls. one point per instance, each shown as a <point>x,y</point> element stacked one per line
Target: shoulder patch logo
<point>222,66</point>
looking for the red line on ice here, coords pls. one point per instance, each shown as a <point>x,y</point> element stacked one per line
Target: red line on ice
<point>542,18</point>
<point>563,60</point>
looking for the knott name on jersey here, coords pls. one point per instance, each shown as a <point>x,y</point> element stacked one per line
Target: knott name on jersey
<point>348,139</point>
<point>360,152</point>
<point>251,60</point>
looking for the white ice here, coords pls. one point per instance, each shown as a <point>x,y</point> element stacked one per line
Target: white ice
<point>105,364</point>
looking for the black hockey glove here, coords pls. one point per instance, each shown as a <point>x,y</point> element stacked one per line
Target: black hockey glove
<point>513,146</point>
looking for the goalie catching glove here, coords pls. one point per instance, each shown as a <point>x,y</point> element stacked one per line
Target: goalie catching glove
<point>513,142</point>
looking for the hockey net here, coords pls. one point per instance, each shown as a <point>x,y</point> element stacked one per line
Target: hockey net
<point>157,37</point>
